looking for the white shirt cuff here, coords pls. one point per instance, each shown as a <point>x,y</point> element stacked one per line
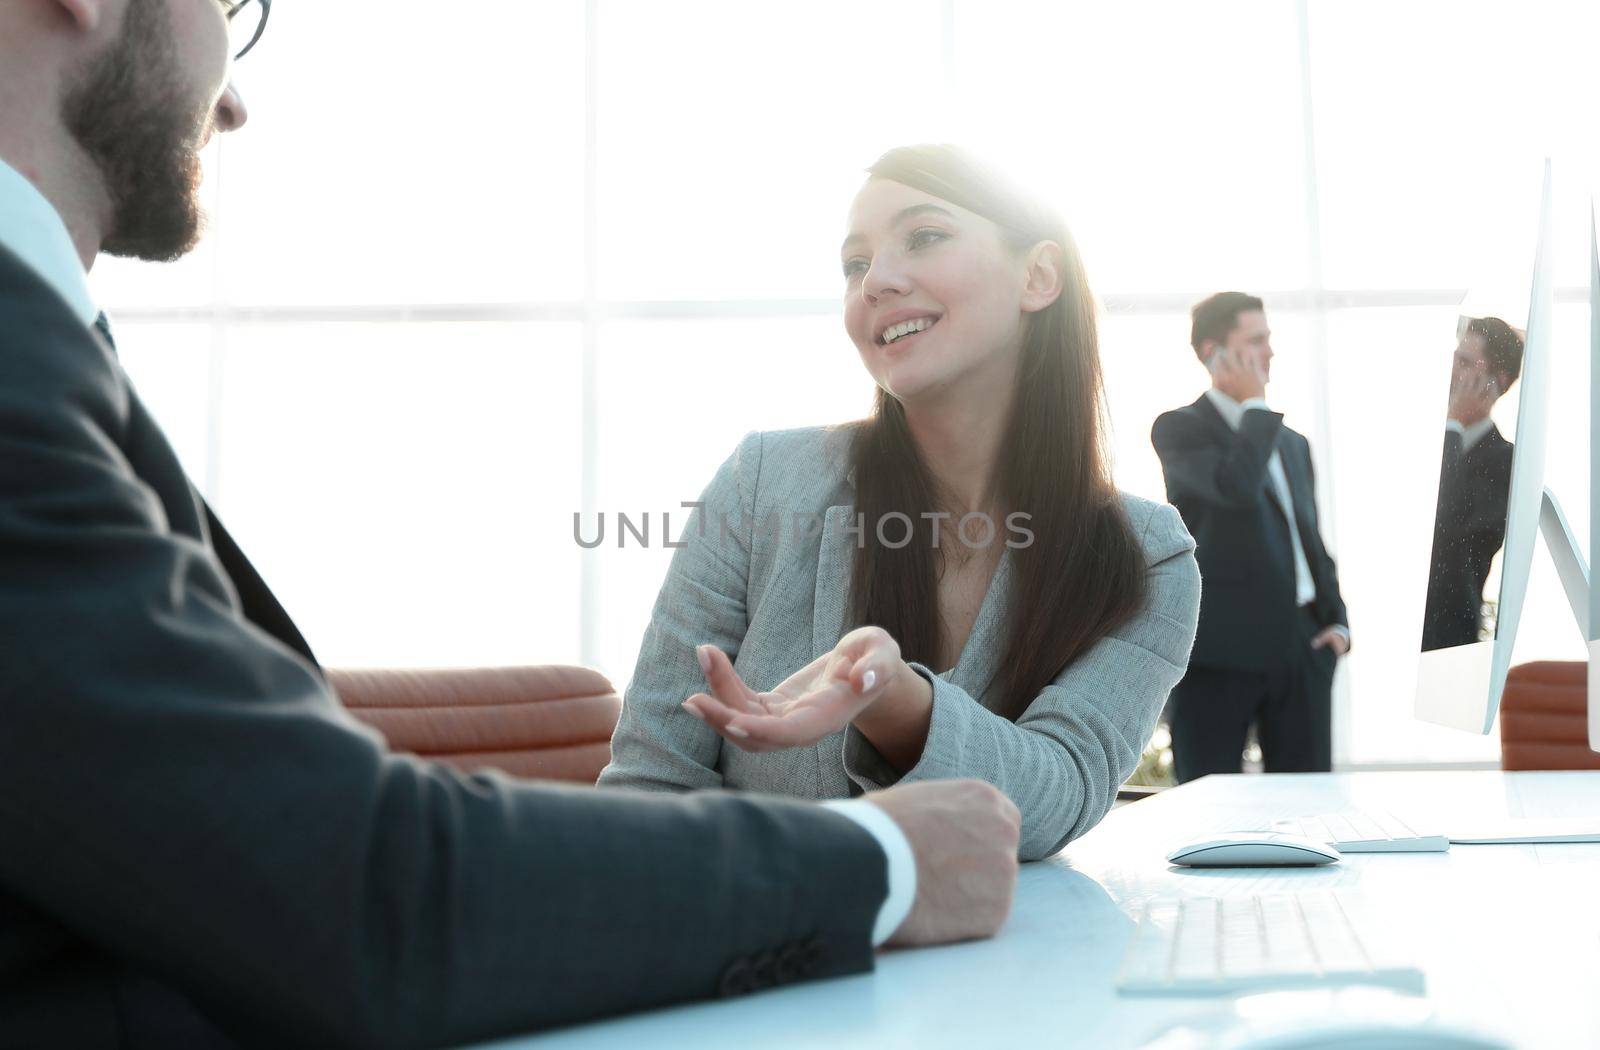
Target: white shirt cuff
<point>902,866</point>
<point>1254,402</point>
<point>1343,630</point>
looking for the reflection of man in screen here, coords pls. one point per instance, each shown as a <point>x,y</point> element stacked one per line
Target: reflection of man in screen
<point>1474,483</point>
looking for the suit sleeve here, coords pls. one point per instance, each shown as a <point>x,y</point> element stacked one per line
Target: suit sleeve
<point>183,792</point>
<point>1196,467</point>
<point>1062,761</point>
<point>1334,610</point>
<point>658,746</point>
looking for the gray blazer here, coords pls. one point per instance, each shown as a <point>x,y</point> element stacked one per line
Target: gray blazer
<point>764,575</point>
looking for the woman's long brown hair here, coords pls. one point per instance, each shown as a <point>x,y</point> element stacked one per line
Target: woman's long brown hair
<point>1084,572</point>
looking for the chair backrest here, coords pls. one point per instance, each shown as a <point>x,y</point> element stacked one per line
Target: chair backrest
<point>1544,717</point>
<point>550,722</point>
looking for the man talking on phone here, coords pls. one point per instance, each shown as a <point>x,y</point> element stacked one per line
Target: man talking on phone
<point>1272,622</point>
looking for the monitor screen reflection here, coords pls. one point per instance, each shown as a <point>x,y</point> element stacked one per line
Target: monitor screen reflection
<point>1469,525</point>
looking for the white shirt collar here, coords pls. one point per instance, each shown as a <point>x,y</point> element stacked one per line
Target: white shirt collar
<point>1232,411</point>
<point>1471,435</point>
<point>33,231</point>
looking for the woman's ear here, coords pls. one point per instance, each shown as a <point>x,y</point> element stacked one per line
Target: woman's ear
<point>86,15</point>
<point>1046,275</point>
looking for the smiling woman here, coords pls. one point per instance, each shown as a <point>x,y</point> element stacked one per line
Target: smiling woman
<point>814,653</point>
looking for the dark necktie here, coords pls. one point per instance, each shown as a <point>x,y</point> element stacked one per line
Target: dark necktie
<point>103,326</point>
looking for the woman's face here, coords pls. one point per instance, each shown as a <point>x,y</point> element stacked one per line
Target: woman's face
<point>934,297</point>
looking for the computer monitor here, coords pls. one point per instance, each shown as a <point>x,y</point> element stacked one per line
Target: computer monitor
<point>1492,502</point>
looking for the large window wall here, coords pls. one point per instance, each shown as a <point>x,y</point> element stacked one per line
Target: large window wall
<point>474,271</point>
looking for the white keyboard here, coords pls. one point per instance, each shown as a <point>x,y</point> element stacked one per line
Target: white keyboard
<point>1221,946</point>
<point>1371,831</point>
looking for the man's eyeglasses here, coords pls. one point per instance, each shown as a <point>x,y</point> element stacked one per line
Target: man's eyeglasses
<point>247,20</point>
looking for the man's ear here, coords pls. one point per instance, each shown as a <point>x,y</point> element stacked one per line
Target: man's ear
<point>85,14</point>
<point>1046,277</point>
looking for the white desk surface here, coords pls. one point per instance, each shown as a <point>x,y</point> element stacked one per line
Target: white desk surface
<point>1508,936</point>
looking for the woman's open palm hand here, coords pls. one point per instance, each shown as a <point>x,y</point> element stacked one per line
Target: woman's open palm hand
<point>815,702</point>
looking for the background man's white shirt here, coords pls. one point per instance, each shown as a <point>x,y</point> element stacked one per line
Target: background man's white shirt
<point>1470,435</point>
<point>1305,585</point>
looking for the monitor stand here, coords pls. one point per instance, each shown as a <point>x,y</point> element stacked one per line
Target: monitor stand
<point>1568,556</point>
<point>1461,670</point>
<point>1574,573</point>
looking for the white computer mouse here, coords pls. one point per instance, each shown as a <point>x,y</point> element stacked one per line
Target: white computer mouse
<point>1253,849</point>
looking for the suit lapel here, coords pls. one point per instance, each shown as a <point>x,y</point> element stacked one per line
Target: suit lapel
<point>1286,460</point>
<point>1487,448</point>
<point>834,562</point>
<point>1225,434</point>
<point>256,600</point>
<point>986,642</point>
<point>1208,411</point>
<point>1299,491</point>
<point>835,559</point>
<point>1305,511</point>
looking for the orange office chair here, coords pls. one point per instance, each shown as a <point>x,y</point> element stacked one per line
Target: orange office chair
<point>1544,717</point>
<point>549,723</point>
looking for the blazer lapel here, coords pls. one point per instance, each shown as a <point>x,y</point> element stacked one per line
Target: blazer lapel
<point>834,562</point>
<point>1305,512</point>
<point>1224,435</point>
<point>835,559</point>
<point>1286,460</point>
<point>985,646</point>
<point>1208,411</point>
<point>1299,493</point>
<point>258,603</point>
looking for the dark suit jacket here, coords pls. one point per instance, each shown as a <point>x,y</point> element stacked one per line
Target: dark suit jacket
<point>1217,478</point>
<point>1469,526</point>
<point>198,847</point>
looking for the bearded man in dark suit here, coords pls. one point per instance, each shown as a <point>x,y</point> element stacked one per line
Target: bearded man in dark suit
<point>198,847</point>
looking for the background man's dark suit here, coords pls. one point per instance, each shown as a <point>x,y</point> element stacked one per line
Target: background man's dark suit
<point>1469,526</point>
<point>199,848</point>
<point>1252,657</point>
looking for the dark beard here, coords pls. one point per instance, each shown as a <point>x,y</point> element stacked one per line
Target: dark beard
<point>130,116</point>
